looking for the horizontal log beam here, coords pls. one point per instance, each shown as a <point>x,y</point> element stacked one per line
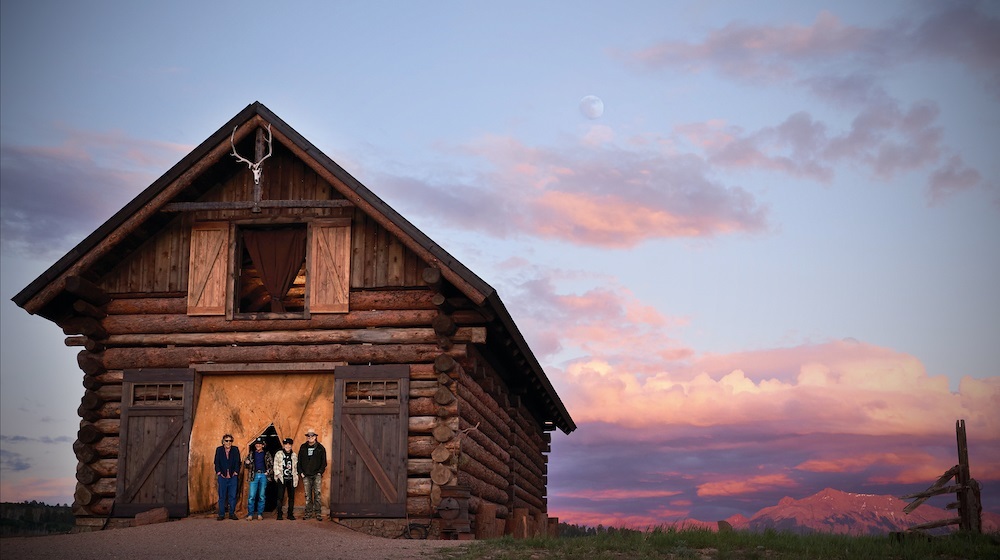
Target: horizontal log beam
<point>419,467</point>
<point>421,447</point>
<point>124,358</point>
<point>425,406</point>
<point>84,325</point>
<point>482,489</point>
<point>360,300</point>
<point>472,335</point>
<point>427,424</point>
<point>86,290</point>
<point>168,323</point>
<point>249,205</point>
<point>105,410</point>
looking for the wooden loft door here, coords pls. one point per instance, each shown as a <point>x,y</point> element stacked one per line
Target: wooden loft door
<point>155,433</point>
<point>371,423</point>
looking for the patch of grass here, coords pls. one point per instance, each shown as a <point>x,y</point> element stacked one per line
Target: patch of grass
<point>699,544</point>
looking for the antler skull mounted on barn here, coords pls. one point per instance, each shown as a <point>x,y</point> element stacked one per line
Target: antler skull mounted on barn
<point>254,166</point>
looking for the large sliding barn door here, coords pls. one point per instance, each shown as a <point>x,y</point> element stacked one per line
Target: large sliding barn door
<point>155,432</point>
<point>371,424</point>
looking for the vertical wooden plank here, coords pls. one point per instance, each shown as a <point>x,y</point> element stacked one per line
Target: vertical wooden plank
<point>358,230</point>
<point>180,247</point>
<point>394,266</point>
<point>161,260</point>
<point>382,258</point>
<point>371,241</point>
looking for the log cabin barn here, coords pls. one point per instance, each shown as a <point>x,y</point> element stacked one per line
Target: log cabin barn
<point>259,289</point>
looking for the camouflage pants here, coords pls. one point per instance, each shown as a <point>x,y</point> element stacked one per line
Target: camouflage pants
<point>313,486</point>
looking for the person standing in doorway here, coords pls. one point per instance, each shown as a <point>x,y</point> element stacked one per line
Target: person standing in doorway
<point>312,465</point>
<point>286,474</point>
<point>259,465</point>
<point>227,471</point>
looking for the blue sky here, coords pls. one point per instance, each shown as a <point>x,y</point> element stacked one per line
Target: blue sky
<point>767,267</point>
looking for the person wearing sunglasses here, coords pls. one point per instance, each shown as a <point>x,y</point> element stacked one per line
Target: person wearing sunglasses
<point>227,471</point>
<point>311,466</point>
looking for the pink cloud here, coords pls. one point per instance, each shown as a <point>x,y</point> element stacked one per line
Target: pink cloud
<point>706,436</point>
<point>620,494</point>
<point>48,490</point>
<point>952,177</point>
<point>759,52</point>
<point>621,519</point>
<point>883,137</point>
<point>962,32</point>
<point>601,195</point>
<point>749,485</point>
<point>832,387</point>
<point>608,320</point>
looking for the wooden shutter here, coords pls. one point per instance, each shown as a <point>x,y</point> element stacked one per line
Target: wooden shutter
<point>208,269</point>
<point>329,275</point>
<point>371,425</point>
<point>155,434</point>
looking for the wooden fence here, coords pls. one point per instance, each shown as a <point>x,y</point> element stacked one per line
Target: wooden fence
<point>966,488</point>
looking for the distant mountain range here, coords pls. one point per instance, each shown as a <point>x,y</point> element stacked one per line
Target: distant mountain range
<point>833,511</point>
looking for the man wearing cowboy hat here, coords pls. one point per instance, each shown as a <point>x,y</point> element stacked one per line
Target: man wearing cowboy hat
<point>312,465</point>
<point>259,464</point>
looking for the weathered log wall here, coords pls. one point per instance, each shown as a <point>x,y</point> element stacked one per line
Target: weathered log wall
<point>502,457</point>
<point>464,426</point>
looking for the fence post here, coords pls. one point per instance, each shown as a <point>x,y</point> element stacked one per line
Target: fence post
<point>969,506</point>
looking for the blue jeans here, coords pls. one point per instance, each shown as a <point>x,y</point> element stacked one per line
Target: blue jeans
<point>227,494</point>
<point>258,484</point>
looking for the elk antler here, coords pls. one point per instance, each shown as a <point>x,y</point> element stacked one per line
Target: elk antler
<point>254,167</point>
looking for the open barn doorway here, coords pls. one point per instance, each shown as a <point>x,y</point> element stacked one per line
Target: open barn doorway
<point>246,405</point>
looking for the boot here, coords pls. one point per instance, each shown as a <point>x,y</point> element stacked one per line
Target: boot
<point>279,515</point>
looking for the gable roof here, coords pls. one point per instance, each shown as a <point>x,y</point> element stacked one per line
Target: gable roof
<point>45,296</point>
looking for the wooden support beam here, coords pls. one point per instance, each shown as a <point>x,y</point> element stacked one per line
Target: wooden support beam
<point>87,290</point>
<point>249,205</point>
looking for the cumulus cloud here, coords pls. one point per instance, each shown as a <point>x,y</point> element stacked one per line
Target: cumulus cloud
<point>705,436</point>
<point>885,137</point>
<point>591,193</point>
<point>52,197</point>
<point>962,32</point>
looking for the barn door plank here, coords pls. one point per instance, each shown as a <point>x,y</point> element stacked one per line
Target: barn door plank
<point>177,425</point>
<point>387,486</point>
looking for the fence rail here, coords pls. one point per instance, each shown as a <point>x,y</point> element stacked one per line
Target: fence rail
<point>966,488</point>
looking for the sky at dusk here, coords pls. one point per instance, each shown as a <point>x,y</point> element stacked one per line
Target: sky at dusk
<point>763,262</point>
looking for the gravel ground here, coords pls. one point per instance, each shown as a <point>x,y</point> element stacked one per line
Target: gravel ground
<point>195,538</point>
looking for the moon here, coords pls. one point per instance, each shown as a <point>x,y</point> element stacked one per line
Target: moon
<point>592,107</point>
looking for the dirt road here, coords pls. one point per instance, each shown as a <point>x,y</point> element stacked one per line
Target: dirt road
<point>208,539</point>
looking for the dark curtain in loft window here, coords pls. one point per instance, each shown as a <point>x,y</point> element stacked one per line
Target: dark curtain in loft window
<point>278,255</point>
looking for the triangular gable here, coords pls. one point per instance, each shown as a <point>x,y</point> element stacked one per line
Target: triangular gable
<point>145,207</point>
<point>46,295</point>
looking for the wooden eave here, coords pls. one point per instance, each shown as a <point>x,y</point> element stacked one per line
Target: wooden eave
<point>144,215</point>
